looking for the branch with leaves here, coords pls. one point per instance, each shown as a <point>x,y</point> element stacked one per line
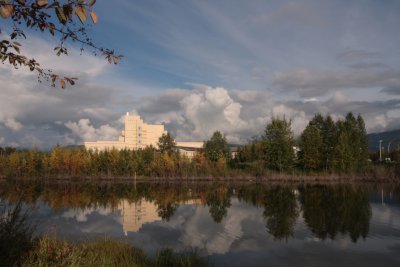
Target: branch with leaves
<point>53,17</point>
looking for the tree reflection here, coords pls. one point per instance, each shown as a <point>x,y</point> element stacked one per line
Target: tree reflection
<point>218,202</point>
<point>280,211</point>
<point>329,210</point>
<point>166,211</point>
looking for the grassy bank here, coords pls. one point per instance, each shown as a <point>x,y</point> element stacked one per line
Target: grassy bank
<point>106,252</point>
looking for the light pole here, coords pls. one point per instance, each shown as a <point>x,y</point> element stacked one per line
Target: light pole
<point>380,150</point>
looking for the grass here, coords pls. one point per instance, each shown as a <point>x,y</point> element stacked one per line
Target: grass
<point>15,234</point>
<point>105,252</point>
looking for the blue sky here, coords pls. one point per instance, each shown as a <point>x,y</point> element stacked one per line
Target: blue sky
<point>199,66</point>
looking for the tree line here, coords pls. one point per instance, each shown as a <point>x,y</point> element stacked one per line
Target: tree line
<point>325,146</point>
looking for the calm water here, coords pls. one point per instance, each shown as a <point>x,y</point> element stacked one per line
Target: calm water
<point>233,224</point>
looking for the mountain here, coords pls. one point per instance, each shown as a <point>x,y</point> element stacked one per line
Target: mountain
<point>390,138</point>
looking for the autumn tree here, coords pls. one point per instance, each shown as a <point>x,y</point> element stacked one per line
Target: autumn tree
<point>57,18</point>
<point>278,145</point>
<point>217,147</point>
<point>166,143</point>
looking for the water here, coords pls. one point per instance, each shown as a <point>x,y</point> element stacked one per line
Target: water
<point>231,224</point>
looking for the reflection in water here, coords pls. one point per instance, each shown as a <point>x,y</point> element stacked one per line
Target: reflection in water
<point>227,222</point>
<point>280,211</point>
<point>218,202</point>
<point>135,214</point>
<point>328,210</point>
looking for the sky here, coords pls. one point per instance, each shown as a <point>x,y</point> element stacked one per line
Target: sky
<point>200,66</point>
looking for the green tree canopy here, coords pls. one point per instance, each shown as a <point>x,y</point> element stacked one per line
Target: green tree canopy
<point>311,146</point>
<point>351,150</point>
<point>279,143</point>
<point>166,143</point>
<point>217,147</point>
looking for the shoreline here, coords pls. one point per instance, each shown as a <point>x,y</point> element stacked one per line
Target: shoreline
<point>278,178</point>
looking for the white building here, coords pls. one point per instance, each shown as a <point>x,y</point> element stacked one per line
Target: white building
<point>135,135</point>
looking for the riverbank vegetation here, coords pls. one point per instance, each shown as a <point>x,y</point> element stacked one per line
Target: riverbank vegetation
<point>326,148</point>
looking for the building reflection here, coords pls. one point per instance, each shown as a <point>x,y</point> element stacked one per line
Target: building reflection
<point>136,214</point>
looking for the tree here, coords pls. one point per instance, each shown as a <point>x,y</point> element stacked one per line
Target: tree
<point>57,18</point>
<point>311,148</point>
<point>278,144</point>
<point>217,147</point>
<point>351,149</point>
<point>329,139</point>
<point>166,143</point>
<point>363,154</point>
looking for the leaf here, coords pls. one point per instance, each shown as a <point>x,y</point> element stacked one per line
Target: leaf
<point>16,49</point>
<point>6,11</point>
<point>42,3</point>
<point>62,83</point>
<point>51,28</point>
<point>81,13</point>
<point>91,2</point>
<point>94,17</point>
<point>60,15</point>
<point>68,11</point>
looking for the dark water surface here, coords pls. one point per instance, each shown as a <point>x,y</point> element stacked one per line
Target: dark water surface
<point>233,224</point>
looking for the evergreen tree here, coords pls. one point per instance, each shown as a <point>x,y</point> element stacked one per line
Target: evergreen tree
<point>278,144</point>
<point>343,152</point>
<point>311,145</point>
<point>318,121</point>
<point>329,139</point>
<point>363,155</point>
<point>351,150</point>
<point>217,147</point>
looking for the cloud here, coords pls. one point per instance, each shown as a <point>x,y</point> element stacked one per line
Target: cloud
<point>294,12</point>
<point>356,55</point>
<point>34,114</point>
<point>242,114</point>
<point>86,132</point>
<point>195,114</point>
<point>312,83</point>
<point>81,215</point>
<point>12,124</point>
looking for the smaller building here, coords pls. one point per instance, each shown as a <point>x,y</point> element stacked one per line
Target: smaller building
<point>189,149</point>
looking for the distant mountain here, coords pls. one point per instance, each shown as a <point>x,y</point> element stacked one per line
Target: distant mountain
<point>390,138</point>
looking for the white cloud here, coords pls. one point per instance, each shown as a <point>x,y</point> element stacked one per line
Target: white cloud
<point>12,124</point>
<point>86,132</point>
<point>81,215</point>
<point>34,114</point>
<point>195,114</point>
